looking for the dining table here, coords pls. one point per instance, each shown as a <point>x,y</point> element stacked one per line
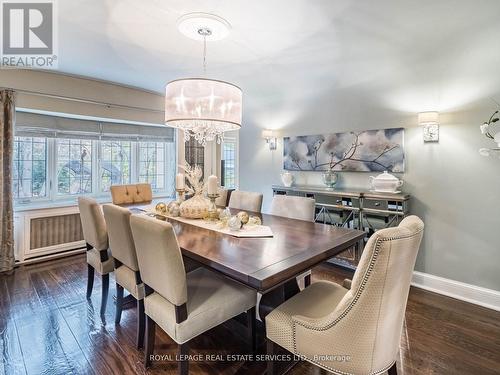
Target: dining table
<point>270,265</point>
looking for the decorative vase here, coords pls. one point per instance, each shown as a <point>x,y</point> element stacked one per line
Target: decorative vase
<point>330,178</point>
<point>287,179</point>
<point>195,207</point>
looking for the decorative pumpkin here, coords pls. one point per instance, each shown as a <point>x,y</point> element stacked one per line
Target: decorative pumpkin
<point>254,220</point>
<point>161,208</point>
<point>235,223</point>
<point>243,216</point>
<point>173,209</point>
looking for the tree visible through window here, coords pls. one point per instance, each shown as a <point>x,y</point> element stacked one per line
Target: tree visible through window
<point>115,163</point>
<point>30,167</point>
<point>74,166</point>
<point>152,164</point>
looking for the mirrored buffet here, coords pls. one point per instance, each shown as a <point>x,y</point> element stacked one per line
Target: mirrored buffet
<point>365,210</point>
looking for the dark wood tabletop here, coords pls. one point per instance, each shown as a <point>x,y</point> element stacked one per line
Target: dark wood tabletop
<point>264,263</point>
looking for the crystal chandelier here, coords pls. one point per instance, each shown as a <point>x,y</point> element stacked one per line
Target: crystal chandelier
<point>203,108</point>
<point>486,129</point>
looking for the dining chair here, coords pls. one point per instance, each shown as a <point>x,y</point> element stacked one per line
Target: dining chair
<point>299,208</point>
<point>98,255</point>
<point>293,207</point>
<point>354,328</point>
<point>245,200</point>
<point>222,199</point>
<point>130,194</point>
<point>183,305</point>
<point>127,273</point>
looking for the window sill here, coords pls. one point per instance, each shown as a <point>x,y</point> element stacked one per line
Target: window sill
<point>33,206</point>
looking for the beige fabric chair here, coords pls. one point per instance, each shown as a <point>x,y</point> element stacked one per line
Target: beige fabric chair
<point>293,207</point>
<point>362,319</point>
<point>183,305</point>
<point>222,200</point>
<point>127,273</point>
<point>245,200</point>
<point>131,194</point>
<point>98,256</point>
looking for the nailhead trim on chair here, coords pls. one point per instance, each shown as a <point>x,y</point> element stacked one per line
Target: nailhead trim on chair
<point>369,270</point>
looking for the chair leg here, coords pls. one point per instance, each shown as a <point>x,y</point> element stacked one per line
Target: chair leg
<point>90,280</point>
<point>150,341</point>
<point>183,365</point>
<point>141,317</point>
<point>251,329</point>
<point>392,370</point>
<point>119,303</point>
<point>105,290</point>
<point>271,352</point>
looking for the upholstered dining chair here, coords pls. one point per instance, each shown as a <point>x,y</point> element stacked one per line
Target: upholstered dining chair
<point>246,200</point>
<point>98,255</point>
<point>183,305</point>
<point>222,199</point>
<point>127,273</point>
<point>293,207</point>
<point>131,194</point>
<point>354,328</point>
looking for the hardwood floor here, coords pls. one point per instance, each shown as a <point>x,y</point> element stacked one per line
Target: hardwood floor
<point>48,327</point>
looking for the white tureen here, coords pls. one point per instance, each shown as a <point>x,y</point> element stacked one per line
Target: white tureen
<point>385,183</point>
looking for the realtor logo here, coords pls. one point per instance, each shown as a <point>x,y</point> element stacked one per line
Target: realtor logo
<point>28,34</point>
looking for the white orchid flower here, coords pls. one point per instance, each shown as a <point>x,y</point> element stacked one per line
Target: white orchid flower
<point>484,128</point>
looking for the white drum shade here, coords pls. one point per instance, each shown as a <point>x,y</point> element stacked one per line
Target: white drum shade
<point>203,108</point>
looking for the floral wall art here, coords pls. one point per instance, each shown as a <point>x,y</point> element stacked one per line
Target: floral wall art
<point>364,151</point>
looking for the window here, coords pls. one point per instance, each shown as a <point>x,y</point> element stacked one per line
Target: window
<point>74,166</point>
<point>152,164</point>
<point>229,156</point>
<point>30,167</point>
<point>60,158</point>
<point>115,163</point>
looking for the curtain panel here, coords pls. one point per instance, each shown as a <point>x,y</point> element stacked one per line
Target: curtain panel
<point>7,119</point>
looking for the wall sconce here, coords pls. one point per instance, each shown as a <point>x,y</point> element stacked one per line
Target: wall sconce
<point>270,138</point>
<point>430,125</point>
<point>487,130</point>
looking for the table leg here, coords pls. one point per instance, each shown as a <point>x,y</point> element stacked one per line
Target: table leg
<point>277,296</point>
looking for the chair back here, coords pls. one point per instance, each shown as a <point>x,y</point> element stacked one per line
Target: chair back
<point>121,241</point>
<point>93,224</point>
<point>292,207</point>
<point>222,199</point>
<point>245,200</point>
<point>160,259</point>
<point>130,194</point>
<point>375,305</point>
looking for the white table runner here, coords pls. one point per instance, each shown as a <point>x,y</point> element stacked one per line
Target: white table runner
<point>248,231</point>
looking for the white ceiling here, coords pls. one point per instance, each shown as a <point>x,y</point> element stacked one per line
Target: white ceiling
<point>411,55</point>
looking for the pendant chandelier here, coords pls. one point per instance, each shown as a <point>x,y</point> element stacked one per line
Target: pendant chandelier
<point>203,108</point>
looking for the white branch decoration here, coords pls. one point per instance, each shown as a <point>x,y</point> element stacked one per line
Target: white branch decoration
<point>194,177</point>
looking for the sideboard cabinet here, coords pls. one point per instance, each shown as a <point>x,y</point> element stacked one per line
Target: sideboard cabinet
<point>358,209</point>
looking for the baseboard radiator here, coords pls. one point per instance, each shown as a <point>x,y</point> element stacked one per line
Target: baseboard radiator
<point>43,235</point>
<point>55,230</point>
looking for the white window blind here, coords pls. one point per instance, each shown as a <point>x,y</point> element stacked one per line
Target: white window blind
<point>36,125</point>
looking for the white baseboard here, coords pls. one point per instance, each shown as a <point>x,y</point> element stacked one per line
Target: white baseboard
<point>477,295</point>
